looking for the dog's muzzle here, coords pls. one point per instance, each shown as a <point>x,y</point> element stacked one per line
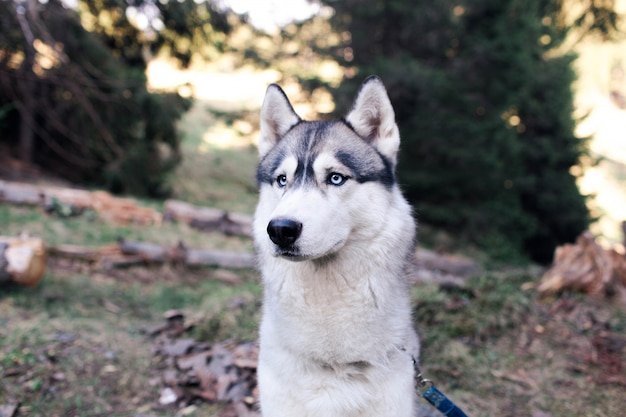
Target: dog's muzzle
<point>284,232</point>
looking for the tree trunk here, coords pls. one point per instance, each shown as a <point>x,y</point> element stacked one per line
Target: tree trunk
<point>28,109</point>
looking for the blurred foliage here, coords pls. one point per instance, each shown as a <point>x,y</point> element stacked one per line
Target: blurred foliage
<point>135,30</point>
<point>74,89</point>
<point>483,99</point>
<point>301,52</point>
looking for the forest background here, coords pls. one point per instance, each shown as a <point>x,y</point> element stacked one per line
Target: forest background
<point>511,114</point>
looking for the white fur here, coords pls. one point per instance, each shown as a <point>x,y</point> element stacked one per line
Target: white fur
<point>336,335</point>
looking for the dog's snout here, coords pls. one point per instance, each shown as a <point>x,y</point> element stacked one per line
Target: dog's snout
<point>284,232</point>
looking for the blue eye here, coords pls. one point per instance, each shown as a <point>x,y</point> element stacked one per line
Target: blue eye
<point>281,180</point>
<point>336,179</point>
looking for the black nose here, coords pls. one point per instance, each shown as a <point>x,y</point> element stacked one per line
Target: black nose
<point>284,232</point>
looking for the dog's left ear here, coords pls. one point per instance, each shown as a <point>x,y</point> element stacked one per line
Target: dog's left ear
<point>372,117</point>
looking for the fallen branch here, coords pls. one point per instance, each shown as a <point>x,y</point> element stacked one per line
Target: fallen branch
<point>444,269</point>
<point>83,253</point>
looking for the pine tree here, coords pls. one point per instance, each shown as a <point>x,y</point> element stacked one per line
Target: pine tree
<point>485,113</point>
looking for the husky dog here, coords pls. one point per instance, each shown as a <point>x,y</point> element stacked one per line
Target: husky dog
<point>334,237</point>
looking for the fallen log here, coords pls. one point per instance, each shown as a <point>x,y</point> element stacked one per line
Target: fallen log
<point>151,252</point>
<point>223,259</point>
<point>123,210</point>
<point>83,253</point>
<point>445,263</point>
<point>205,218</point>
<point>129,253</point>
<point>71,201</point>
<point>188,256</point>
<point>22,260</point>
<point>68,201</point>
<point>18,193</point>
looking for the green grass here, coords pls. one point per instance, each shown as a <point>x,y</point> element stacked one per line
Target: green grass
<point>215,175</point>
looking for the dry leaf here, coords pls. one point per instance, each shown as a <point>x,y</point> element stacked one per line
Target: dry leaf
<point>178,347</point>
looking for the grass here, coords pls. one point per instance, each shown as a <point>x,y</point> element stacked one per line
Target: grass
<point>498,350</point>
<point>78,344</point>
<point>219,157</point>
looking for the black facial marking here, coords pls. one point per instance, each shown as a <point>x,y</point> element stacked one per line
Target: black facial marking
<point>373,167</point>
<point>312,137</point>
<point>299,176</point>
<point>268,166</point>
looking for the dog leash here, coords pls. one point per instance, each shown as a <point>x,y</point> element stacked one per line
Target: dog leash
<point>435,397</point>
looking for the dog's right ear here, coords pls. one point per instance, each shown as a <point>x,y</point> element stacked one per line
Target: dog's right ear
<point>277,117</point>
<point>372,117</point>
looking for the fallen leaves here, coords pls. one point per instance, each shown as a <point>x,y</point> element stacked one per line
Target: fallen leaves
<point>594,343</point>
<point>608,353</point>
<point>222,373</point>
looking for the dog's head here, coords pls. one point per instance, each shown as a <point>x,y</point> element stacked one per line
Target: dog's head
<point>325,184</point>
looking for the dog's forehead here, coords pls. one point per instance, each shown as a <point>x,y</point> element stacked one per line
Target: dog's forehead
<point>306,141</point>
<point>310,139</point>
<point>319,136</point>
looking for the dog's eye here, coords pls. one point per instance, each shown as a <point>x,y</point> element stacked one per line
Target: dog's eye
<point>336,179</point>
<point>281,180</point>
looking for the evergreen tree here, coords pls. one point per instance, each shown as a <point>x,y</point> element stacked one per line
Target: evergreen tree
<point>485,113</point>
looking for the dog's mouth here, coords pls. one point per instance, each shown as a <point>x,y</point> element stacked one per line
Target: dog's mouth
<point>290,253</point>
<point>295,254</point>
<point>294,257</point>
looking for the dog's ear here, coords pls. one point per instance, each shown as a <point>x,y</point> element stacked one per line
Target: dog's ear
<point>277,117</point>
<point>372,117</point>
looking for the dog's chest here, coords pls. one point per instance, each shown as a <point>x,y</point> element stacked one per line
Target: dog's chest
<point>336,320</point>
